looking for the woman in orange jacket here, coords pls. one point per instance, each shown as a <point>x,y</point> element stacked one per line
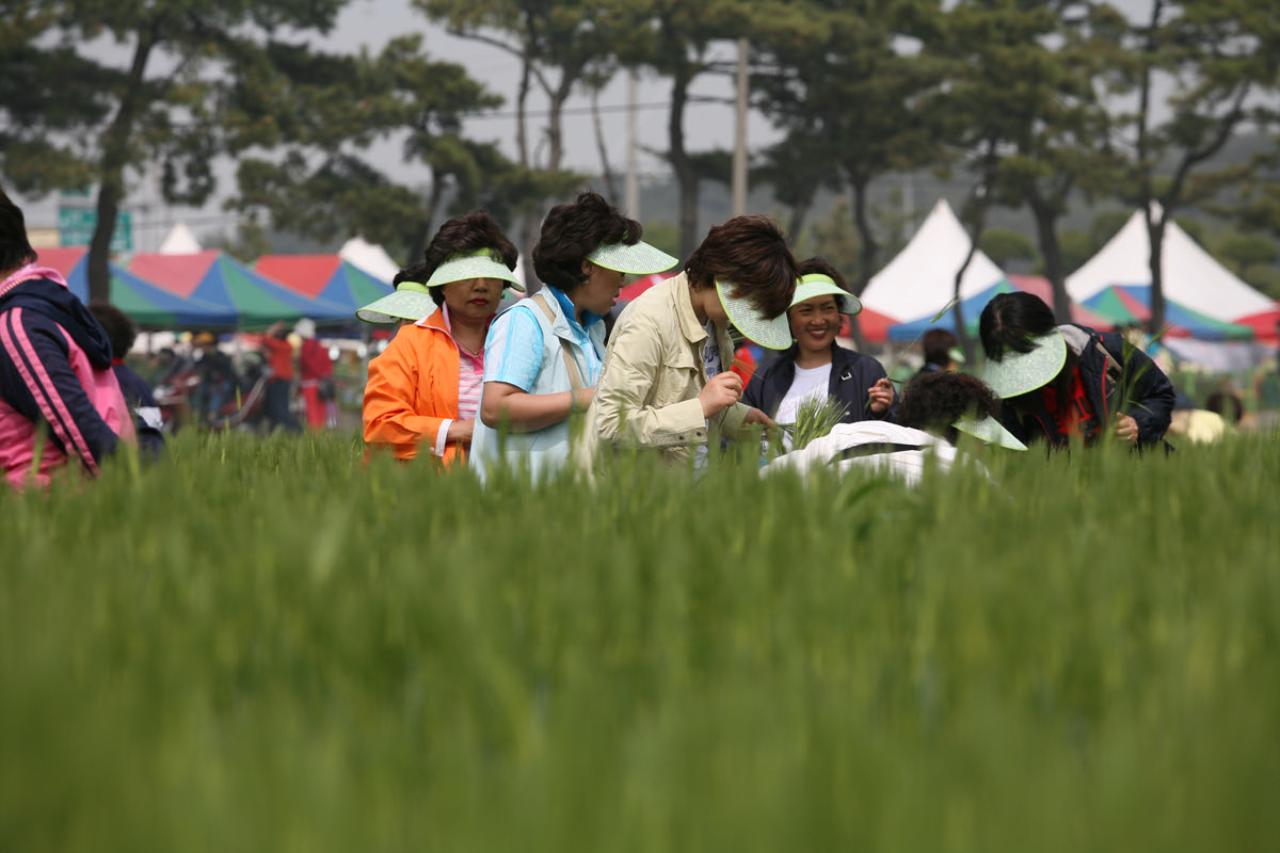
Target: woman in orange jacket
<point>423,391</point>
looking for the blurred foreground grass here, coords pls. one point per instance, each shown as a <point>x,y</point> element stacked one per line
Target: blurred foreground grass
<point>272,646</point>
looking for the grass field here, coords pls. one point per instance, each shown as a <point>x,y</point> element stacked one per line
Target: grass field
<point>270,646</point>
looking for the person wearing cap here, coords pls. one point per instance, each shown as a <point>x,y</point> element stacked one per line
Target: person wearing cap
<point>941,351</point>
<point>815,365</point>
<point>1067,382</point>
<point>666,383</point>
<point>423,390</point>
<point>937,409</point>
<point>543,356</point>
<point>410,302</point>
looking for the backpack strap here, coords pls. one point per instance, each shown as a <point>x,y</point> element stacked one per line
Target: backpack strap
<point>570,363</point>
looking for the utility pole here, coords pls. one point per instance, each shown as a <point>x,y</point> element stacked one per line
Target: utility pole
<point>740,136</point>
<point>633,179</point>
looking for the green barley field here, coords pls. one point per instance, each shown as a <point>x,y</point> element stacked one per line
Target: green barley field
<point>272,646</point>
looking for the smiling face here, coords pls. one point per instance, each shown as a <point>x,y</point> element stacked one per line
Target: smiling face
<point>599,293</point>
<point>474,299</point>
<point>815,323</point>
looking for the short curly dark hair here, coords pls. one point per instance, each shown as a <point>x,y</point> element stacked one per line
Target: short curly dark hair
<point>934,401</point>
<point>120,329</point>
<point>463,234</point>
<point>750,253</point>
<point>572,231</point>
<point>821,266</point>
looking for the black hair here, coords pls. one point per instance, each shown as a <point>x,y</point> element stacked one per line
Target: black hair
<point>935,401</point>
<point>15,248</point>
<point>572,231</point>
<point>120,329</point>
<point>461,235</point>
<point>750,253</point>
<point>1010,322</point>
<point>937,344</point>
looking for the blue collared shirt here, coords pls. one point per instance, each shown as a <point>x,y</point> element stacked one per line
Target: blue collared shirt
<point>513,351</point>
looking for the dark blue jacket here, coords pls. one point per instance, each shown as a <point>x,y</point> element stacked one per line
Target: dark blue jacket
<point>146,412</point>
<point>852,374</point>
<point>1110,371</point>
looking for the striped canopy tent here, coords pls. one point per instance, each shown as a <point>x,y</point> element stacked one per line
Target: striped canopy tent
<point>325,277</point>
<point>973,306</point>
<point>217,278</point>
<point>146,304</point>
<point>1264,325</point>
<point>1126,304</point>
<point>633,289</point>
<point>873,325</point>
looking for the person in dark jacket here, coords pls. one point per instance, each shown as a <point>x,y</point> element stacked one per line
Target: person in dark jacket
<point>55,369</point>
<point>815,364</point>
<point>137,393</point>
<point>941,352</point>
<point>1067,382</point>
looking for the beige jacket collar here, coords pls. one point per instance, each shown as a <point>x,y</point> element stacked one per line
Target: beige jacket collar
<point>682,301</point>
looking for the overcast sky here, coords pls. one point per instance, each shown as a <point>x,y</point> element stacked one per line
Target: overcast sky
<point>371,23</point>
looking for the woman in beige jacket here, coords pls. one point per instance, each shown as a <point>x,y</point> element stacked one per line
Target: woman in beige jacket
<point>665,384</point>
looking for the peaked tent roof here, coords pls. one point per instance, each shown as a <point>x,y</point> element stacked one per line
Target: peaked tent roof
<point>146,304</point>
<point>216,277</point>
<point>921,279</point>
<point>1192,277</point>
<point>1264,324</point>
<point>327,277</point>
<point>1132,304</point>
<point>180,241</point>
<point>370,258</point>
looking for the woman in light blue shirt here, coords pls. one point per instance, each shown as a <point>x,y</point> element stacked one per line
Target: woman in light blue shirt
<point>544,354</point>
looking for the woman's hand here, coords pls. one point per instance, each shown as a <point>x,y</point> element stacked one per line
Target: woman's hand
<point>755,416</point>
<point>720,393</point>
<point>460,432</point>
<point>1126,429</point>
<point>880,396</point>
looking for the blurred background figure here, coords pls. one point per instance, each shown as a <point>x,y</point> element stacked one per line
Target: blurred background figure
<point>315,368</point>
<point>137,393</point>
<point>217,377</point>
<point>941,352</point>
<point>279,353</point>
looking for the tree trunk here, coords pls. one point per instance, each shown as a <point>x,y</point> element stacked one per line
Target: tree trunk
<point>868,249</point>
<point>957,308</point>
<point>1047,229</point>
<point>610,180</point>
<point>799,216</point>
<point>526,236</point>
<point>1155,237</point>
<point>115,157</point>
<point>681,164</point>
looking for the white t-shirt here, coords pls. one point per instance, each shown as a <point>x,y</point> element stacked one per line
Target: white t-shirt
<point>809,382</point>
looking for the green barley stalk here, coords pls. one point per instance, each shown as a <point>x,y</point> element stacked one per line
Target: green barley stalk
<point>815,417</point>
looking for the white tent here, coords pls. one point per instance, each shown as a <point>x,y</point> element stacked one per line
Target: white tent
<point>180,241</point>
<point>921,280</point>
<point>370,258</point>
<point>1192,277</point>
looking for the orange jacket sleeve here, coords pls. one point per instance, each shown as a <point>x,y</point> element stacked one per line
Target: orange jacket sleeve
<point>390,417</point>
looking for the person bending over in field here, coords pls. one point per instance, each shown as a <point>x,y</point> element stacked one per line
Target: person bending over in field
<point>424,389</point>
<point>936,409</point>
<point>60,402</point>
<point>543,355</point>
<point>1067,382</point>
<point>815,365</point>
<point>665,381</point>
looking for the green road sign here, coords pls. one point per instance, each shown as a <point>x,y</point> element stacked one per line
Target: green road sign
<point>76,224</point>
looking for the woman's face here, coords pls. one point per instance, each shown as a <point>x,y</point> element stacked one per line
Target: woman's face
<point>815,322</point>
<point>599,293</point>
<point>474,299</point>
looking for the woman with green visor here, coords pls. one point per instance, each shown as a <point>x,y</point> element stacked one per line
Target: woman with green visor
<point>424,389</point>
<point>666,385</point>
<point>543,356</point>
<point>815,365</point>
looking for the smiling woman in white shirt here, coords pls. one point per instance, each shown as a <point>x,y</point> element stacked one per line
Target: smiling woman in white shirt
<point>816,365</point>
